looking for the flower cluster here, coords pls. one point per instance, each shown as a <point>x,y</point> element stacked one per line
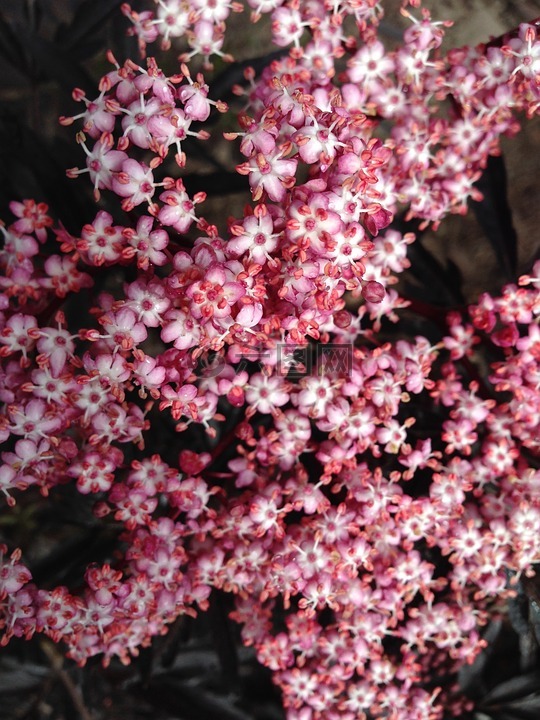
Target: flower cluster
<point>337,469</point>
<point>444,112</point>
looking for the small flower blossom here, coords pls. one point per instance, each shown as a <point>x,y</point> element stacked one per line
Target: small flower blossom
<point>145,243</point>
<point>33,218</point>
<point>134,182</point>
<point>265,394</point>
<point>101,242</point>
<point>271,174</point>
<point>214,295</point>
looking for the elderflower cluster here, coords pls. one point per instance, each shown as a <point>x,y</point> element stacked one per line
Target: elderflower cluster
<point>341,469</point>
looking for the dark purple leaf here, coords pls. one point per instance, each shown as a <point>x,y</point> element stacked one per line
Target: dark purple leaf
<point>193,703</point>
<point>16,676</point>
<point>526,709</point>
<point>437,284</point>
<point>224,642</point>
<point>221,86</point>
<point>33,14</point>
<point>30,167</point>
<point>56,64</point>
<point>218,183</point>
<point>12,47</point>
<point>89,19</point>
<point>472,677</point>
<point>514,689</point>
<point>495,216</point>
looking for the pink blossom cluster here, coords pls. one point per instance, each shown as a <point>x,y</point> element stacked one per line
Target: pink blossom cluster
<point>146,110</point>
<point>442,110</point>
<point>326,499</point>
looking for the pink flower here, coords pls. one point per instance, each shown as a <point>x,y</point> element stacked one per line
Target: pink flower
<point>33,218</point>
<point>178,400</point>
<point>316,142</point>
<point>101,242</point>
<point>181,329</point>
<point>271,174</point>
<point>64,275</point>
<point>255,237</point>
<point>178,211</point>
<point>215,294</point>
<point>195,98</point>
<point>102,163</point>
<point>148,300</point>
<point>55,345</point>
<point>123,328</point>
<point>94,472</point>
<point>134,182</point>
<point>111,369</point>
<point>249,315</point>
<point>18,335</point>
<point>34,420</point>
<point>146,243</point>
<point>147,373</point>
<point>136,120</point>
<point>370,63</point>
<point>266,393</point>
<point>13,574</point>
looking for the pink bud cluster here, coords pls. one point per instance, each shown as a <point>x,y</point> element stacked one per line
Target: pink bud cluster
<point>327,505</point>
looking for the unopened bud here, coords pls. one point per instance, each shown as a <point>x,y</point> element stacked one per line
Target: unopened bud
<point>373,291</point>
